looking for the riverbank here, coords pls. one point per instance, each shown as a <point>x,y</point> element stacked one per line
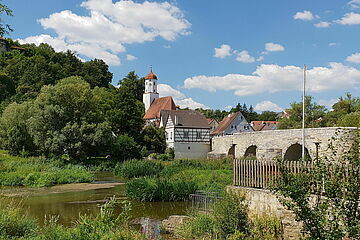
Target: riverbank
<point>40,172</point>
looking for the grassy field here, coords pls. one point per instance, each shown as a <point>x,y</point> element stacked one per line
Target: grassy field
<point>39,172</point>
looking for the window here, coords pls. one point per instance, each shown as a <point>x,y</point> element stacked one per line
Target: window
<point>189,147</point>
<point>186,134</point>
<point>198,135</point>
<point>167,136</point>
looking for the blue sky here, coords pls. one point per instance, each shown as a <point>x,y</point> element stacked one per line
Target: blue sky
<point>209,53</point>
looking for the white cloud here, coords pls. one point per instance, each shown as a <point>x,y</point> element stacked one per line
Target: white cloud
<point>332,44</point>
<point>228,108</point>
<point>349,19</point>
<point>130,57</point>
<point>354,4</point>
<point>90,50</point>
<point>305,15</point>
<point>222,52</point>
<point>179,98</point>
<point>327,103</point>
<point>273,47</point>
<point>245,57</point>
<point>109,26</point>
<point>275,78</point>
<point>354,58</point>
<point>267,106</point>
<point>322,24</point>
<point>259,59</point>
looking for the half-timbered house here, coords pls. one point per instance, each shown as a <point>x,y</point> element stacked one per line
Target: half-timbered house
<point>187,131</point>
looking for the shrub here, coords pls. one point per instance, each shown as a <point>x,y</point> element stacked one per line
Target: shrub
<point>138,168</point>
<point>154,189</point>
<point>163,157</point>
<point>200,226</point>
<point>231,214</point>
<point>14,224</point>
<point>170,152</point>
<point>266,227</point>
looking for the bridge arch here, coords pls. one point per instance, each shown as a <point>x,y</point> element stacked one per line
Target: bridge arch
<point>250,151</point>
<point>294,152</point>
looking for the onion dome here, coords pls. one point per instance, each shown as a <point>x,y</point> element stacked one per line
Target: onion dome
<point>151,75</point>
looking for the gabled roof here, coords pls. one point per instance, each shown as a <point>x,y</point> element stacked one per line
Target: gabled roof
<point>185,118</point>
<point>164,103</point>
<point>211,120</point>
<point>264,125</point>
<point>225,123</point>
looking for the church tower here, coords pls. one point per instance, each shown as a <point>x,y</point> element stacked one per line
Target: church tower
<point>150,94</point>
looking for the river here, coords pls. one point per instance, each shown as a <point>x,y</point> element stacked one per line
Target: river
<point>69,204</point>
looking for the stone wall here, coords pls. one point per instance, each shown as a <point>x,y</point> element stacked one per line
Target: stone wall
<point>264,202</point>
<point>275,143</point>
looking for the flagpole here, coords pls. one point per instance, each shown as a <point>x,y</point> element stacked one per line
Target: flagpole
<point>303,118</point>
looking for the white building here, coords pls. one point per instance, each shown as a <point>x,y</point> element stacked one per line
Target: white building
<point>187,131</point>
<point>233,123</point>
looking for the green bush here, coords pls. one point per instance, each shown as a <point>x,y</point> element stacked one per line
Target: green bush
<point>231,215</point>
<point>155,189</point>
<point>138,168</point>
<point>200,226</point>
<point>14,224</point>
<point>266,227</point>
<point>163,157</point>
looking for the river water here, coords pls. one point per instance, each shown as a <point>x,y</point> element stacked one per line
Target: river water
<point>68,205</point>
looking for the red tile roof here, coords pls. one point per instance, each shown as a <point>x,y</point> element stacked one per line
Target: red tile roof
<point>225,123</point>
<point>164,103</point>
<point>264,125</point>
<point>151,75</point>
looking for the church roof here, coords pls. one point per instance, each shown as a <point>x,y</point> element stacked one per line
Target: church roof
<point>151,75</point>
<point>164,103</point>
<point>186,118</point>
<point>225,123</point>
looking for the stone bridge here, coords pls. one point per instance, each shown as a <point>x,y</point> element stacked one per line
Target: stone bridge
<point>281,143</point>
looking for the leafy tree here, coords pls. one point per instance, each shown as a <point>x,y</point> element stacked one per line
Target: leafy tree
<point>64,120</point>
<point>326,197</point>
<point>313,112</point>
<point>215,114</point>
<point>7,87</point>
<point>154,139</point>
<point>344,106</point>
<point>5,28</point>
<point>96,72</point>
<point>267,116</point>
<point>125,148</point>
<point>14,130</point>
<point>350,120</point>
<point>133,85</point>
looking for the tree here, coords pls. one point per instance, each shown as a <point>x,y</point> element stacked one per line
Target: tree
<point>7,87</point>
<point>154,139</point>
<point>313,112</point>
<point>133,85</point>
<point>5,28</point>
<point>65,121</point>
<point>96,73</point>
<point>125,148</point>
<point>267,116</point>
<point>345,106</point>
<point>14,130</point>
<point>326,197</point>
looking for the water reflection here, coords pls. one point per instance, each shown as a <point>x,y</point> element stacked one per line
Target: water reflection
<point>68,205</point>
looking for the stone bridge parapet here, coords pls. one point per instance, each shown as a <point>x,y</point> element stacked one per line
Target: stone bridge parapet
<point>281,143</point>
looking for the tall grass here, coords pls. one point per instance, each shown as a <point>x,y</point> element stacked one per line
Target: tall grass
<point>39,172</point>
<point>157,189</point>
<point>175,180</point>
<point>138,168</point>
